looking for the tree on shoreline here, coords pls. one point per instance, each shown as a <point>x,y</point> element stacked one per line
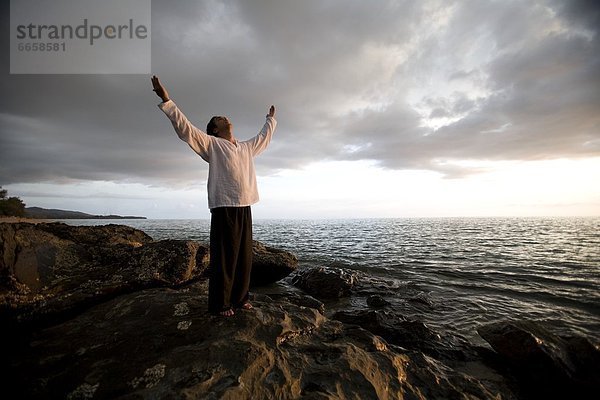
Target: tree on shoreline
<point>11,206</point>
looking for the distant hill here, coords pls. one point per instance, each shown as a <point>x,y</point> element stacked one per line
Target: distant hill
<point>44,213</point>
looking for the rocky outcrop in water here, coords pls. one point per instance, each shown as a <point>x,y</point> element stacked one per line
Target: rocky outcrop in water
<point>51,269</point>
<point>412,334</point>
<point>325,282</point>
<point>161,343</point>
<point>270,264</point>
<point>148,334</point>
<point>547,365</point>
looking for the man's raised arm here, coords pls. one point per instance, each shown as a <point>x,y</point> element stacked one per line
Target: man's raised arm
<point>262,140</point>
<point>194,137</point>
<point>159,89</point>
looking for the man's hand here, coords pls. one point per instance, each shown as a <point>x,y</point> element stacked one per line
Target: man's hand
<point>271,112</point>
<point>159,89</point>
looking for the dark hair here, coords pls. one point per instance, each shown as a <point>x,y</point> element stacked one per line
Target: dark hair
<point>211,126</point>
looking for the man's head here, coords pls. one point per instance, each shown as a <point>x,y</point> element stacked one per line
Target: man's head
<point>219,126</point>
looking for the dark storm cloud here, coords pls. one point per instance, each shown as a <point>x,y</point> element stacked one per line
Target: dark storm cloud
<point>543,102</point>
<point>351,79</point>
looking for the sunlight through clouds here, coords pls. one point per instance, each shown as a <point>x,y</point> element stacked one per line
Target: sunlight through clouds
<point>422,108</point>
<point>362,189</point>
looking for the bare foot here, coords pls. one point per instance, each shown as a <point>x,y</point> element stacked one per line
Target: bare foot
<point>227,313</point>
<point>247,306</point>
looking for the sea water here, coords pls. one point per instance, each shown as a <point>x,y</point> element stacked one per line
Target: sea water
<point>474,270</point>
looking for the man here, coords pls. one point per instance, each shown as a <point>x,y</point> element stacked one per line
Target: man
<point>232,190</point>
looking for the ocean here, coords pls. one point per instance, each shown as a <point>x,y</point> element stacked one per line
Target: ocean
<point>472,270</point>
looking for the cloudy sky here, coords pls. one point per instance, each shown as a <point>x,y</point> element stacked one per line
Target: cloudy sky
<point>385,109</point>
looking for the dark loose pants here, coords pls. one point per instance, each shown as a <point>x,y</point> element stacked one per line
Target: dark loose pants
<point>230,257</point>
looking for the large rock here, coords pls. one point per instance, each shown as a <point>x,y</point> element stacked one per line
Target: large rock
<point>270,265</point>
<point>160,343</point>
<point>546,365</point>
<point>377,301</point>
<point>410,334</point>
<point>51,269</point>
<point>325,282</point>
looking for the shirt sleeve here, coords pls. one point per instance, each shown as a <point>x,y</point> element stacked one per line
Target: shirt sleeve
<point>260,142</point>
<point>194,137</point>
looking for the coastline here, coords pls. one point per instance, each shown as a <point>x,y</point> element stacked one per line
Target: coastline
<point>115,290</point>
<point>12,220</point>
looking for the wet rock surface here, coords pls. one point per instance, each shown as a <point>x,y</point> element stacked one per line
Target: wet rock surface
<point>377,301</point>
<point>410,334</point>
<point>325,282</point>
<point>547,365</point>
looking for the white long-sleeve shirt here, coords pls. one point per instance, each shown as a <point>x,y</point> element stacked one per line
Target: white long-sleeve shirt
<point>231,173</point>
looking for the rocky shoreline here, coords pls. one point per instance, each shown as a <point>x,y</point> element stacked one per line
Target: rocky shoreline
<point>108,313</point>
<point>12,220</point>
